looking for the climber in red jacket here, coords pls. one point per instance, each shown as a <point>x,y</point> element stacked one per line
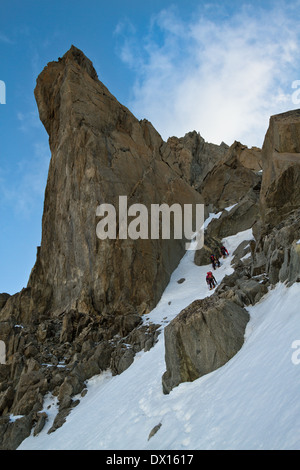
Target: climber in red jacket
<point>211,280</point>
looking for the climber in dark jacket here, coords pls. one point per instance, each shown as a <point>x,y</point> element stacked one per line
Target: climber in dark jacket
<point>214,261</point>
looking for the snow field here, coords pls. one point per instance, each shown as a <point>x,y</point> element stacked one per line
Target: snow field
<point>249,403</point>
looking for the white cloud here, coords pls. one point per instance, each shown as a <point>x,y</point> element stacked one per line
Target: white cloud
<point>221,78</point>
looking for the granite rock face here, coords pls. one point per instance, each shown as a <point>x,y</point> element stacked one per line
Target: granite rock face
<point>277,251</point>
<point>240,217</point>
<point>100,152</point>
<point>281,167</point>
<point>231,177</point>
<point>192,157</point>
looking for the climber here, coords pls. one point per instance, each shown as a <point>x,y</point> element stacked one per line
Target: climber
<point>224,251</point>
<point>211,280</point>
<point>217,261</point>
<point>214,261</point>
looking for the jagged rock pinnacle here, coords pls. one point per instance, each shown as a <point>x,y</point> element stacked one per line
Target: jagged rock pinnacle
<point>100,151</point>
<point>80,58</point>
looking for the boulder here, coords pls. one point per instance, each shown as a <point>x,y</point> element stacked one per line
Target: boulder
<point>60,419</point>
<point>154,431</point>
<point>242,253</point>
<point>12,433</point>
<point>122,358</point>
<point>252,290</point>
<point>31,388</point>
<point>42,419</point>
<point>202,338</point>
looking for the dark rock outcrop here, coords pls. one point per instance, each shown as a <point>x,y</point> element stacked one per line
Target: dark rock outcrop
<point>277,251</point>
<point>3,299</point>
<point>281,167</point>
<point>58,356</point>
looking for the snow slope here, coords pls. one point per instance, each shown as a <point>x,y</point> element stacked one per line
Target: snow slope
<point>249,403</point>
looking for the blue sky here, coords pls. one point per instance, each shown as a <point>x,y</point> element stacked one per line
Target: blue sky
<point>220,68</point>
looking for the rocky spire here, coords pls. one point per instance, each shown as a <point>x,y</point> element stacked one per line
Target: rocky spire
<point>100,151</point>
